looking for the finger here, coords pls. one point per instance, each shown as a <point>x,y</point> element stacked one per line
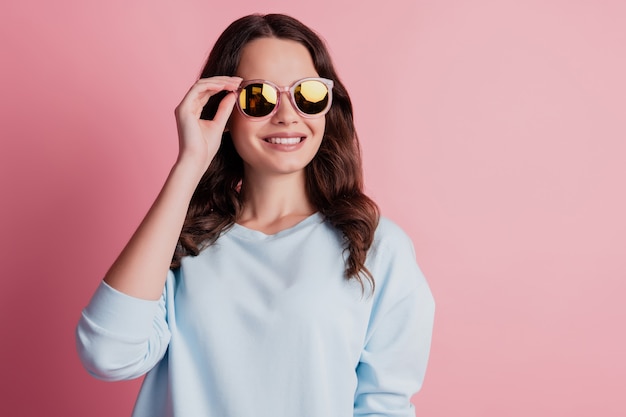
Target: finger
<point>222,78</point>
<point>200,93</point>
<point>225,109</point>
<point>218,83</point>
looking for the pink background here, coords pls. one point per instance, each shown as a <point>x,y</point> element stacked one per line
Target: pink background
<point>493,132</point>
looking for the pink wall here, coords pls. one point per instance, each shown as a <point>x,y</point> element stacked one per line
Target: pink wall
<point>493,132</point>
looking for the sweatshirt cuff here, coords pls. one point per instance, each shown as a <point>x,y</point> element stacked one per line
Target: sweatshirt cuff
<point>120,313</point>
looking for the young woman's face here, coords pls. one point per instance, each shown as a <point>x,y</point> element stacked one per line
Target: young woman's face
<point>285,142</point>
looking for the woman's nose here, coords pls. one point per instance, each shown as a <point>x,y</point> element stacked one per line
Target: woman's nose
<point>285,113</point>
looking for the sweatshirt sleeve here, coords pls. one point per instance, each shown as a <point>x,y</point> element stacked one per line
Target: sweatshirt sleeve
<point>121,337</point>
<point>394,358</point>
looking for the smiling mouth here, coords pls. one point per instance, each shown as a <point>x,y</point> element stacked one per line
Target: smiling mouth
<point>284,141</point>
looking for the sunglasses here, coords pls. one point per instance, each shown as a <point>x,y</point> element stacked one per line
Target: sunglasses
<point>311,97</point>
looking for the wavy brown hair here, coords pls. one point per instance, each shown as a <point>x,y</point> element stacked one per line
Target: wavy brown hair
<point>334,178</point>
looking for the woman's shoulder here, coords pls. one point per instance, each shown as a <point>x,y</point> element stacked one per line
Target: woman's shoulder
<point>392,261</point>
<point>390,233</point>
<point>391,245</point>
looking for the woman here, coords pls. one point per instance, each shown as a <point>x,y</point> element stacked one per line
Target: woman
<point>262,281</point>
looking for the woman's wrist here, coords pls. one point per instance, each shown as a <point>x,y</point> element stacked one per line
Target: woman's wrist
<point>190,166</point>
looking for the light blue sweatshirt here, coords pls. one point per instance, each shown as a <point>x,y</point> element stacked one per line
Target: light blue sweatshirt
<point>268,326</point>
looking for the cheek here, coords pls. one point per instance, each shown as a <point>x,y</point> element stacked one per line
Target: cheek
<point>322,127</point>
<point>318,126</point>
<point>318,129</point>
<point>239,126</point>
<point>234,121</point>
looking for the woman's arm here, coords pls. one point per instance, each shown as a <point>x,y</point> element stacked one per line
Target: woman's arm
<point>397,345</point>
<point>123,332</point>
<point>141,268</point>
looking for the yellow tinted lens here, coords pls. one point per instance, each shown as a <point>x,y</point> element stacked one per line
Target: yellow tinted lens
<point>269,94</point>
<point>311,96</point>
<point>257,100</point>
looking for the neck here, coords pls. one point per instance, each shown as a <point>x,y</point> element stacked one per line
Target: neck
<point>274,203</point>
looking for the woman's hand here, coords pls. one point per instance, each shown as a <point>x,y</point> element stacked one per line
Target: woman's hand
<point>200,139</point>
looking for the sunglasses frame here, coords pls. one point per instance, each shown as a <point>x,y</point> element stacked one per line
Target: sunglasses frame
<point>291,90</point>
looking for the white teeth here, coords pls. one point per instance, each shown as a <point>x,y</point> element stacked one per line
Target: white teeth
<point>284,141</point>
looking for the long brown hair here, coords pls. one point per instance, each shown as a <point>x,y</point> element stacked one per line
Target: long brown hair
<point>334,178</point>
